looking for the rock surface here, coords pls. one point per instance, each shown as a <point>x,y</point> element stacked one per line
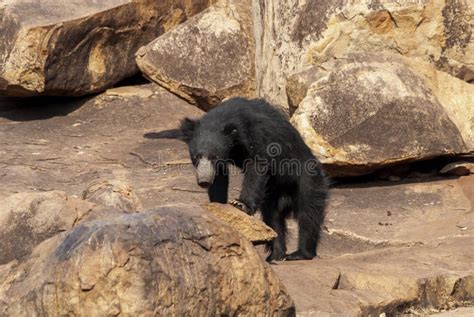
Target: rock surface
<point>115,194</point>
<point>392,249</point>
<point>384,241</point>
<point>293,34</point>
<point>79,47</point>
<point>27,219</point>
<point>250,227</point>
<point>173,261</point>
<point>207,59</point>
<point>458,168</point>
<point>388,109</point>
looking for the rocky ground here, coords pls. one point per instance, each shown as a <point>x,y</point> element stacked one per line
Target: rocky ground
<point>388,247</point>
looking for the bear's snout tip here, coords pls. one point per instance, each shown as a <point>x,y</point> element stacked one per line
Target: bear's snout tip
<point>204,184</point>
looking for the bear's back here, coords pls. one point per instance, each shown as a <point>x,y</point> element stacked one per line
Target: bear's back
<point>253,110</point>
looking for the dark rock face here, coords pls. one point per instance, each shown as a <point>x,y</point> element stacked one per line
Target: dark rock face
<point>76,48</point>
<point>175,260</point>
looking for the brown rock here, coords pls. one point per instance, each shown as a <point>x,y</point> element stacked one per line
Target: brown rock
<point>27,219</point>
<point>419,259</point>
<point>371,110</point>
<point>284,33</point>
<point>80,47</point>
<point>175,260</point>
<point>291,35</point>
<point>298,85</point>
<point>115,194</point>
<point>130,91</point>
<point>206,59</point>
<point>250,227</point>
<point>438,32</point>
<point>458,168</point>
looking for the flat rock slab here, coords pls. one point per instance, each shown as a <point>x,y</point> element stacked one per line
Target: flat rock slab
<point>389,248</point>
<point>391,280</point>
<point>71,145</point>
<point>403,214</point>
<point>75,48</point>
<point>250,227</point>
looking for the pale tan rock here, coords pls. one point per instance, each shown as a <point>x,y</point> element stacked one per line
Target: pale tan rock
<point>206,59</point>
<point>176,260</point>
<point>130,91</point>
<point>54,47</point>
<point>456,97</point>
<point>290,35</point>
<point>369,110</point>
<point>250,227</point>
<point>458,168</point>
<point>114,193</point>
<point>27,219</point>
<point>436,31</point>
<point>458,312</point>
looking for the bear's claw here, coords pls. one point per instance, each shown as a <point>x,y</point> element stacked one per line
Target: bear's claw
<point>240,205</point>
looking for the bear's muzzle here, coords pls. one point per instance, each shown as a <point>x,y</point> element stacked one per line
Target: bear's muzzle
<point>205,173</point>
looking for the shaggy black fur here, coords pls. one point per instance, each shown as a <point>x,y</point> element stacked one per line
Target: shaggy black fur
<point>282,177</point>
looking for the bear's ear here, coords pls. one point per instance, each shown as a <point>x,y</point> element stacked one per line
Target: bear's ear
<point>187,128</point>
<point>184,133</point>
<point>231,129</point>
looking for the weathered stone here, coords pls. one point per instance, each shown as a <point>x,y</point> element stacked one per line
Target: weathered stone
<point>206,59</point>
<point>293,34</point>
<point>27,219</point>
<point>376,230</point>
<point>130,91</point>
<point>370,110</point>
<point>79,47</point>
<point>115,194</point>
<point>389,249</point>
<point>250,227</point>
<point>298,85</point>
<point>176,260</point>
<point>458,312</point>
<point>458,168</point>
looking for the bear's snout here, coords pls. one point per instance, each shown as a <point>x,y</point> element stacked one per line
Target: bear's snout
<point>205,173</point>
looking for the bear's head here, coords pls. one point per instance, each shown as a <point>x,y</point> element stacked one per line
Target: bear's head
<point>209,145</point>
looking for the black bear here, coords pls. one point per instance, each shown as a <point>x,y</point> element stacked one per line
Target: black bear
<point>281,175</point>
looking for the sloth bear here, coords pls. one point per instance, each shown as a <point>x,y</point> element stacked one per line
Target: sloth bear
<point>281,175</point>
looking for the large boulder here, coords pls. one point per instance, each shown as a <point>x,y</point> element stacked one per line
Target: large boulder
<point>366,111</point>
<point>79,47</point>
<point>172,261</point>
<point>206,59</point>
<point>293,34</point>
<point>27,219</point>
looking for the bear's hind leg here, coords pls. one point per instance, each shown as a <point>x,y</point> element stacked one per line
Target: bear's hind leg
<point>310,215</point>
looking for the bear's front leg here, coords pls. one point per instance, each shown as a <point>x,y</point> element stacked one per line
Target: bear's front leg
<point>218,190</point>
<point>253,189</point>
